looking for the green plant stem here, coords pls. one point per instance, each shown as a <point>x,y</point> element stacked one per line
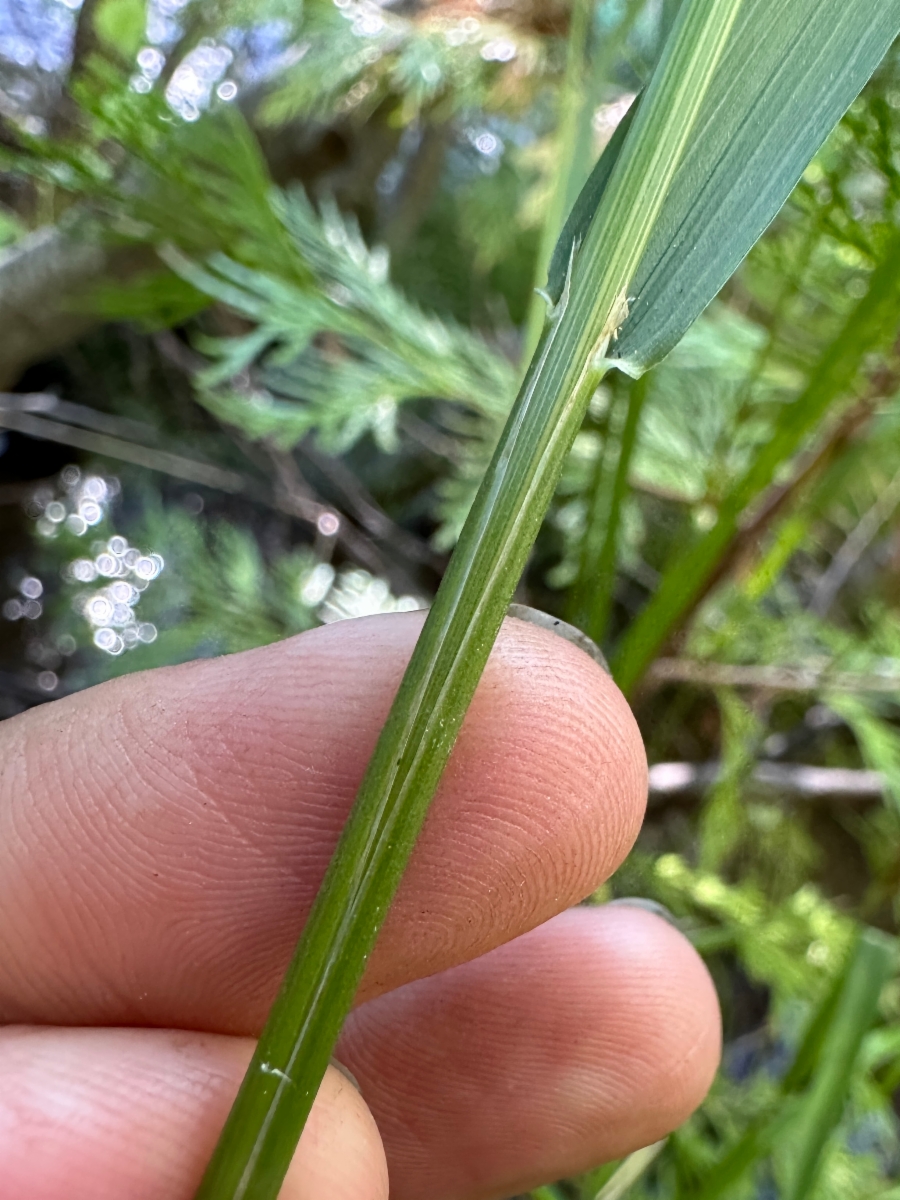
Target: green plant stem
<point>582,86</point>
<point>600,549</point>
<point>599,500</point>
<point>545,1193</point>
<point>572,105</point>
<point>262,1130</point>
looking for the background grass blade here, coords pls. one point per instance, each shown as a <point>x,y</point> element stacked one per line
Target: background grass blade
<point>813,1091</point>
<point>756,1143</point>
<point>871,967</point>
<point>600,546</point>
<point>574,112</point>
<point>577,189</point>
<point>262,1130</point>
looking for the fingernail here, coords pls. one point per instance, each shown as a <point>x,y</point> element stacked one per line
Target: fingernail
<point>347,1074</point>
<point>569,633</point>
<point>650,906</point>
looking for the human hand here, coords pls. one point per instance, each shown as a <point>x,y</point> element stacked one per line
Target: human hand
<point>162,838</point>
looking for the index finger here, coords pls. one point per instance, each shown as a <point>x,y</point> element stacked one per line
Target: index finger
<point>162,837</point>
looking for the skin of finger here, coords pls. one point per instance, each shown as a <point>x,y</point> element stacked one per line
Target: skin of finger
<point>574,1045</point>
<point>121,1114</point>
<point>163,836</point>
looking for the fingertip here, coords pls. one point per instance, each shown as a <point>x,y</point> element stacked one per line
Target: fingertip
<point>541,801</point>
<point>590,1037</point>
<point>682,1042</point>
<point>591,733</point>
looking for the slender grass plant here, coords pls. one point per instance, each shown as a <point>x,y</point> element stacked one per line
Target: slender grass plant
<point>743,94</point>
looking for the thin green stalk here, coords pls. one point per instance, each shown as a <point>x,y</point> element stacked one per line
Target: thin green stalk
<point>262,1130</point>
<point>791,284</point>
<point>600,552</point>
<point>601,53</point>
<point>581,87</point>
<point>545,1193</point>
<point>599,501</point>
<point>755,1144</point>
<point>572,104</point>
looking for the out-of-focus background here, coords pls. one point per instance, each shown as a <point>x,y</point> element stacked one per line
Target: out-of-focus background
<point>267,283</point>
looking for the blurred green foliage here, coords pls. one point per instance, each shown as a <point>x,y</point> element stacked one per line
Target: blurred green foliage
<point>331,216</point>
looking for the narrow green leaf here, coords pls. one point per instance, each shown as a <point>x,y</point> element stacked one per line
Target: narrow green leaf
<point>608,47</point>
<point>667,19</point>
<point>261,1133</point>
<point>545,1193</point>
<point>573,194</point>
<point>789,73</point>
<point>752,1149</point>
<point>873,963</point>
<point>813,1090</point>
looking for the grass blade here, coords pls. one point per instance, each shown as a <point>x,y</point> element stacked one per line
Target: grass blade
<point>763,119</point>
<point>262,1130</point>
<point>788,75</point>
<point>873,963</point>
<point>572,193</point>
<point>545,1193</point>
<point>756,1142</point>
